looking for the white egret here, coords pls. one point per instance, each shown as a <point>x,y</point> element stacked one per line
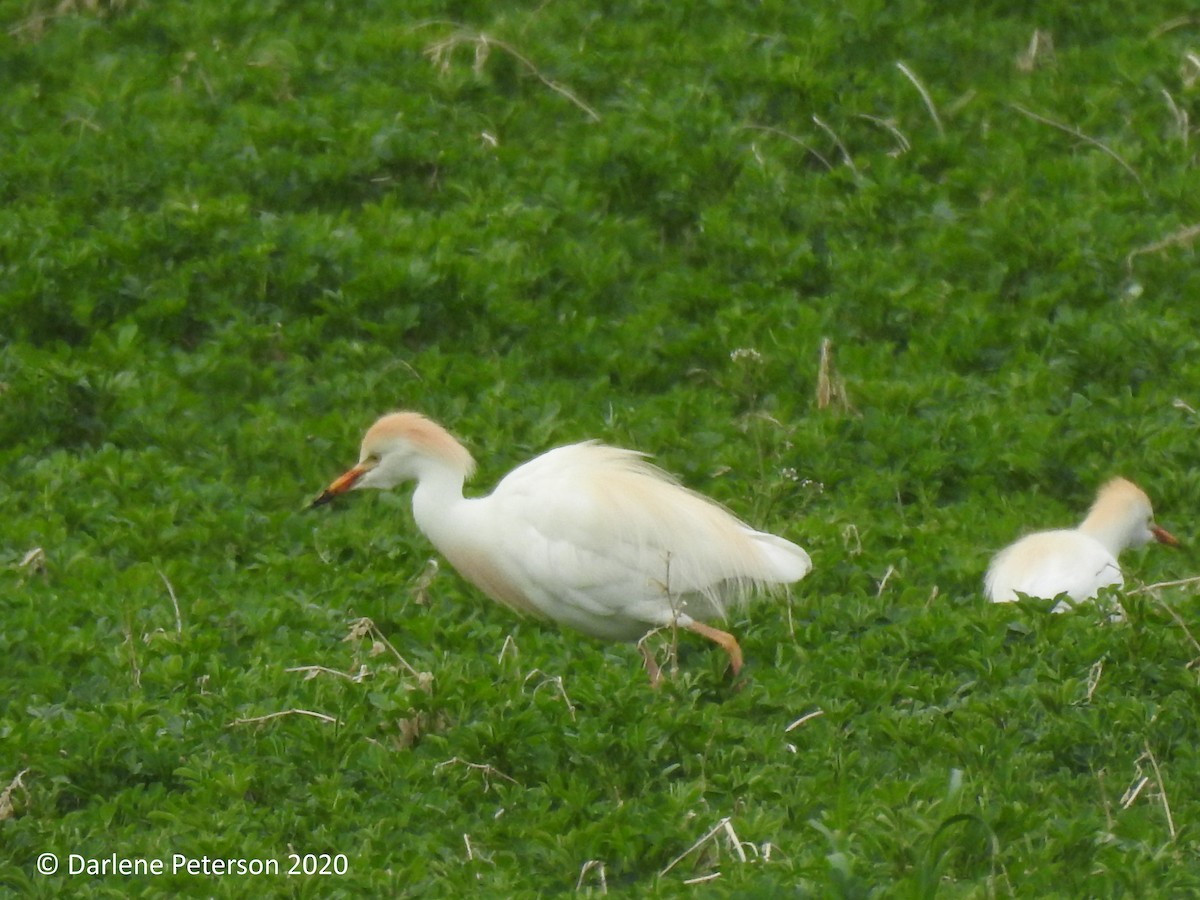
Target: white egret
<point>1079,561</point>
<point>586,535</point>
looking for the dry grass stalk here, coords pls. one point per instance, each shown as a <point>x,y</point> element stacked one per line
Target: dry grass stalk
<point>1182,582</point>
<point>6,804</point>
<point>916,82</point>
<point>891,570</point>
<point>1172,24</point>
<point>135,668</point>
<point>508,648</point>
<point>311,672</point>
<point>838,143</point>
<point>1162,790</point>
<point>1180,115</point>
<point>1141,781</point>
<point>364,627</point>
<point>34,561</point>
<point>1191,68</point>
<point>474,854</point>
<point>422,581</point>
<point>588,866</point>
<point>851,540</point>
<point>831,387</point>
<point>708,836</point>
<point>650,658</point>
<point>1093,681</point>
<point>557,682</point>
<point>440,53</point>
<point>409,731</point>
<point>1134,790</point>
<point>807,717</point>
<point>257,720</point>
<point>734,843</point>
<point>486,771</point>
<point>174,602</point>
<point>653,669</point>
<point>768,129</point>
<point>903,145</point>
<point>1039,52</point>
<point>1076,133</point>
<point>1184,237</point>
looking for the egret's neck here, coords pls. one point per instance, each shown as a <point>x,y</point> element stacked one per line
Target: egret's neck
<point>1114,535</point>
<point>437,500</point>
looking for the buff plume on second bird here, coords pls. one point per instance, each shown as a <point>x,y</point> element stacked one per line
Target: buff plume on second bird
<point>586,535</point>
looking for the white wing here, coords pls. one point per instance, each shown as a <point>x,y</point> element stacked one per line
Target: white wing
<point>597,538</point>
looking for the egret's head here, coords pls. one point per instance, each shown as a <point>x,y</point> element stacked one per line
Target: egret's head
<point>400,447</point>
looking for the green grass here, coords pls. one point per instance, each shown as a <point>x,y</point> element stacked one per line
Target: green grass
<point>231,235</point>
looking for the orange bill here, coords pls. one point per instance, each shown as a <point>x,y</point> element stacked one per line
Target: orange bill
<point>340,485</point>
<point>1163,536</point>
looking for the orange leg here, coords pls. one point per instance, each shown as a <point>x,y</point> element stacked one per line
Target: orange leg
<point>724,639</point>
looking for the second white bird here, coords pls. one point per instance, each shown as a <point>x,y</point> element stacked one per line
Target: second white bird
<point>1078,562</point>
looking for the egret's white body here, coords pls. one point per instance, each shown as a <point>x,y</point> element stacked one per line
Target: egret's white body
<point>1078,562</point>
<point>586,535</point>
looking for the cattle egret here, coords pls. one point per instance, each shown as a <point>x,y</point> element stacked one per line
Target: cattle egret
<point>586,535</point>
<point>1079,561</point>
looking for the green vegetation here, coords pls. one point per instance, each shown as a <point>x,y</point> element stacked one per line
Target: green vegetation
<point>232,234</point>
